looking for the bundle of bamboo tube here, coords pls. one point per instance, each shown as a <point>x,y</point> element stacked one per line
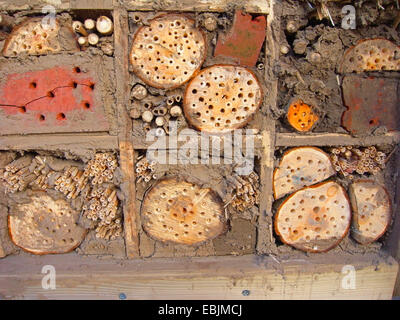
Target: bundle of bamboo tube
<point>17,175</point>
<point>348,160</point>
<point>71,182</point>
<point>145,170</point>
<point>246,191</point>
<point>101,169</point>
<point>109,231</point>
<point>102,206</point>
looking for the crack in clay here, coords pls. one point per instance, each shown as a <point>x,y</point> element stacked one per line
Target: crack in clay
<point>47,96</point>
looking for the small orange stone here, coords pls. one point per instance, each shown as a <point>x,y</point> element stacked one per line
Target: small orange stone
<point>301,117</point>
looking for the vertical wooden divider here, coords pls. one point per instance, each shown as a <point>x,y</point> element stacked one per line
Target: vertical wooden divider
<point>126,149</point>
<point>265,220</point>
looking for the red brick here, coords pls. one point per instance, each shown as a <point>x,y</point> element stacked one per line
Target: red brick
<point>371,102</point>
<point>244,41</point>
<point>51,102</point>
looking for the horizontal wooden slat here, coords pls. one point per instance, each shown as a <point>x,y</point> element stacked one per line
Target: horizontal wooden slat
<point>179,142</point>
<point>36,5</point>
<point>91,4</point>
<point>293,139</point>
<point>61,142</point>
<point>251,6</point>
<point>199,278</point>
<point>333,139</point>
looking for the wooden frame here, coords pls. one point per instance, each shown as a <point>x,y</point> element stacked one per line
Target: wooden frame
<point>266,277</point>
<point>198,278</point>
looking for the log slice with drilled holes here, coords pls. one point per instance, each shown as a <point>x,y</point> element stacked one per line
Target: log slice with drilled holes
<point>35,38</point>
<point>45,226</point>
<point>168,52</point>
<point>371,55</point>
<point>222,98</point>
<point>315,218</point>
<point>300,167</point>
<point>182,212</point>
<point>372,211</point>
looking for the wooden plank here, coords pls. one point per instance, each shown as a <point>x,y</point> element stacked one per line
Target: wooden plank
<point>265,240</point>
<point>92,4</point>
<point>35,5</point>
<point>124,135</point>
<point>251,6</point>
<point>180,141</point>
<point>127,164</point>
<point>265,221</point>
<point>56,142</point>
<point>200,278</point>
<point>2,252</point>
<point>392,243</point>
<point>334,139</point>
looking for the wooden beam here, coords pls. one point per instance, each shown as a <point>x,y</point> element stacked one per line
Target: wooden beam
<point>392,243</point>
<point>33,5</point>
<point>78,277</point>
<point>251,6</point>
<point>265,222</point>
<point>91,4</point>
<point>59,142</point>
<point>2,252</point>
<point>265,239</point>
<point>127,157</point>
<point>131,219</point>
<point>333,139</point>
<point>141,143</point>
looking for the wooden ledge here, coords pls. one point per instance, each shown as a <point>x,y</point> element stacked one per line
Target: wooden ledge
<point>250,6</point>
<point>59,142</point>
<point>315,277</point>
<point>334,139</point>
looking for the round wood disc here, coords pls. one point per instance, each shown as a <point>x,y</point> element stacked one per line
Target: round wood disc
<point>222,98</point>
<point>372,211</point>
<point>301,167</point>
<point>182,212</point>
<point>301,116</point>
<point>45,226</point>
<point>371,55</point>
<point>315,218</point>
<point>166,53</point>
<point>33,38</point>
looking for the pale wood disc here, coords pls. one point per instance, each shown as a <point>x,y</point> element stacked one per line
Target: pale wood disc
<point>35,38</point>
<point>168,52</point>
<point>372,211</point>
<point>45,226</point>
<point>222,98</point>
<point>371,55</point>
<point>315,218</point>
<point>300,167</point>
<point>182,212</point>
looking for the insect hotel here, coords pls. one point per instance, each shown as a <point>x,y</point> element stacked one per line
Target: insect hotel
<point>200,149</point>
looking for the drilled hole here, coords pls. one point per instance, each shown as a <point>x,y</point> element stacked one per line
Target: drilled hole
<point>61,116</point>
